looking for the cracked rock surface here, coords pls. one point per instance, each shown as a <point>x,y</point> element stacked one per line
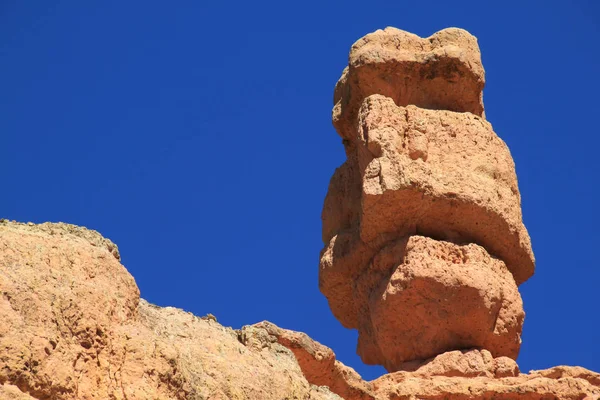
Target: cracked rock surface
<point>431,296</point>
<point>73,327</point>
<point>424,238</point>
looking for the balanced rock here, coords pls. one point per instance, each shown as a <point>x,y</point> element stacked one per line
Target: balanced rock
<point>426,175</point>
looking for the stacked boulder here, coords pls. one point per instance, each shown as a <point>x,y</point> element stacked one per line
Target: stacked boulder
<point>424,240</point>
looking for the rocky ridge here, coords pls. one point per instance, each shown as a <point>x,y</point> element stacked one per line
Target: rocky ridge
<point>74,327</point>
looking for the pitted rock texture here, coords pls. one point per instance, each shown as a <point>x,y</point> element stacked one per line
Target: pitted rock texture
<point>422,161</point>
<point>439,173</point>
<point>11,392</point>
<point>464,375</point>
<point>435,296</point>
<point>441,72</point>
<point>318,363</point>
<point>463,363</point>
<point>74,327</point>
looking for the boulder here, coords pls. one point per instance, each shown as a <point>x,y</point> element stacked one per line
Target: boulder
<point>441,72</point>
<point>425,297</point>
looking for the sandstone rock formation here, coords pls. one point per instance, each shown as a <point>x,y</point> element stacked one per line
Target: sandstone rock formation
<point>472,374</point>
<point>424,239</point>
<point>440,295</point>
<point>424,250</point>
<point>73,327</point>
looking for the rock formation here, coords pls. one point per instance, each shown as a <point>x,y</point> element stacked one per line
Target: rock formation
<point>424,239</point>
<point>425,248</point>
<point>74,327</point>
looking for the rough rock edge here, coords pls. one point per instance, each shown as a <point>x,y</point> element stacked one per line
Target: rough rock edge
<point>329,378</point>
<point>11,392</point>
<point>60,288</point>
<point>320,367</point>
<point>408,173</point>
<point>381,48</point>
<point>60,228</point>
<point>252,337</point>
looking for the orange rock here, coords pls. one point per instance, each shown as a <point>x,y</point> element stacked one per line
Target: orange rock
<point>422,161</point>
<point>441,72</point>
<point>467,374</point>
<point>425,297</point>
<point>318,363</point>
<point>424,250</point>
<point>11,392</point>
<point>463,363</point>
<point>73,327</point>
<point>62,294</point>
<point>401,385</point>
<point>442,174</point>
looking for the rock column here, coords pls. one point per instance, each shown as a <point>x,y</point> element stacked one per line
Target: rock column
<point>424,240</point>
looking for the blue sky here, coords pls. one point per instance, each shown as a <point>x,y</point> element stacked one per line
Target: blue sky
<point>197,135</point>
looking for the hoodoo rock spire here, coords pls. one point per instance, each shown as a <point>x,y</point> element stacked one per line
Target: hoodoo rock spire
<point>424,239</point>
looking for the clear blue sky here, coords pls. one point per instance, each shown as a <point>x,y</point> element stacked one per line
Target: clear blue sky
<point>197,136</point>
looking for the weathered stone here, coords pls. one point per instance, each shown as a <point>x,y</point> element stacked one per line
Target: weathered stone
<point>11,392</point>
<point>457,183</point>
<point>424,251</point>
<point>73,327</point>
<point>319,365</point>
<point>425,297</point>
<point>465,363</point>
<point>467,374</point>
<point>441,72</point>
<point>422,161</point>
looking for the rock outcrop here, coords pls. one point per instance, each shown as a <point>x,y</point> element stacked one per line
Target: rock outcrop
<point>424,239</point>
<point>471,374</point>
<point>73,327</point>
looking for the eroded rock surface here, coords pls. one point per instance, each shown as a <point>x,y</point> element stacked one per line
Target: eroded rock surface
<point>467,374</point>
<point>73,327</point>
<point>424,172</point>
<point>441,72</point>
<point>432,296</point>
